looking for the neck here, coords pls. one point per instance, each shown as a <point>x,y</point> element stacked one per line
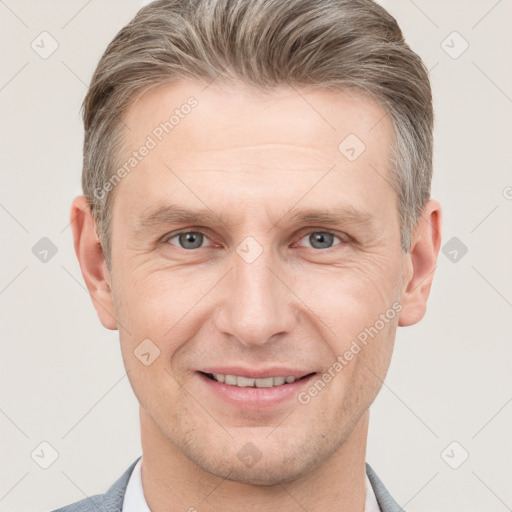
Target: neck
<point>172,482</point>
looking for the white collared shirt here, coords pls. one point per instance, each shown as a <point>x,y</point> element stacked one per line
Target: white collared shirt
<point>134,500</point>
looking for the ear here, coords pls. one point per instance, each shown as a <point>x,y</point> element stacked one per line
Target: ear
<point>92,261</point>
<point>420,264</point>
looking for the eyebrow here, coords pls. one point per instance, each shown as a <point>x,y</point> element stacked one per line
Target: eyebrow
<point>341,215</point>
<point>175,214</point>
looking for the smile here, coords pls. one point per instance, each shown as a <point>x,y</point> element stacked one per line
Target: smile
<point>246,382</point>
<point>254,391</point>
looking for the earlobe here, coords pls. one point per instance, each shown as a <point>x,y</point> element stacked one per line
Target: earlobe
<point>421,264</point>
<point>92,261</point>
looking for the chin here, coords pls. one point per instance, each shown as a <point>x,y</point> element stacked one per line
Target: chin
<point>268,474</point>
<point>274,467</point>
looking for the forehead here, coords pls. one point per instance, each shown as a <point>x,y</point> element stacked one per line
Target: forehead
<point>207,115</point>
<point>231,145</point>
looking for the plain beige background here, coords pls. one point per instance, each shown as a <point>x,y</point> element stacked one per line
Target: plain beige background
<point>448,391</point>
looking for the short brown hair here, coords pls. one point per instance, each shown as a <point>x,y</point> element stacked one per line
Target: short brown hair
<point>330,44</point>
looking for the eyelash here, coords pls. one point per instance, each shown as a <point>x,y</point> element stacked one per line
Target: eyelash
<point>195,231</point>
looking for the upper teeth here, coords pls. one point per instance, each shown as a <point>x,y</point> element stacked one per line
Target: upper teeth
<point>234,380</point>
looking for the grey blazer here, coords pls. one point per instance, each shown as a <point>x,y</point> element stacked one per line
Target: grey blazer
<point>112,500</point>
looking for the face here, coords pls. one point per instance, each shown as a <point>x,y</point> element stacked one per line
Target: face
<point>249,242</point>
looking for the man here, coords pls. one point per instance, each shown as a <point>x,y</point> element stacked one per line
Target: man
<point>256,223</point>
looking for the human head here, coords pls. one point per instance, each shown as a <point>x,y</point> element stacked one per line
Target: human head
<point>333,44</point>
<point>257,147</point>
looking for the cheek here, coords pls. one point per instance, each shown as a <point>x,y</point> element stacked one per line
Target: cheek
<point>363,363</point>
<point>349,299</point>
<point>358,312</point>
<point>146,314</point>
<point>156,303</point>
<point>147,347</point>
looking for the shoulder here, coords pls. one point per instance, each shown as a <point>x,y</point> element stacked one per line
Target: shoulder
<point>111,501</point>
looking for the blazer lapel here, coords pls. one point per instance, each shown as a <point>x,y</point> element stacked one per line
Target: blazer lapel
<point>384,499</point>
<point>113,498</point>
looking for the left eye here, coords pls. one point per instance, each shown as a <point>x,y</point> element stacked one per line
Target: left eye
<point>321,239</point>
<point>194,239</point>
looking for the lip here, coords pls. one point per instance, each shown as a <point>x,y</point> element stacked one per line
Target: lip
<point>253,398</point>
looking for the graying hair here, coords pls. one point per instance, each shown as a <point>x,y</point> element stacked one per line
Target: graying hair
<point>327,44</point>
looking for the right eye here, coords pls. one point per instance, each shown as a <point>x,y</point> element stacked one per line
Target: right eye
<point>188,240</point>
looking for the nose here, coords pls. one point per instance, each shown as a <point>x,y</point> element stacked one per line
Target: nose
<point>257,305</point>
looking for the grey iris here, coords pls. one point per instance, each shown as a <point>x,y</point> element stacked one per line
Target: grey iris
<point>190,240</point>
<point>318,240</point>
